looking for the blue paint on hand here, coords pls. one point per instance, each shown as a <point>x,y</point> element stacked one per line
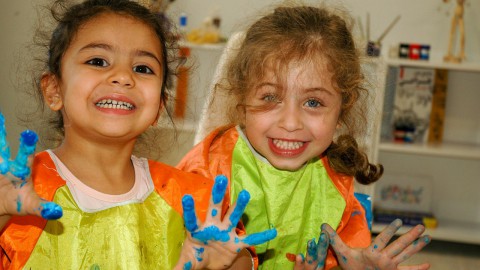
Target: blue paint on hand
<point>211,233</point>
<point>199,253</point>
<point>187,266</point>
<point>261,237</point>
<point>51,210</point>
<point>19,204</point>
<point>242,201</point>
<point>312,249</point>
<point>4,147</point>
<point>214,212</point>
<point>189,215</point>
<point>219,188</point>
<point>19,167</point>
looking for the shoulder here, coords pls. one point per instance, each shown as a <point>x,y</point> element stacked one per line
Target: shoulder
<point>45,176</point>
<point>213,154</point>
<point>172,184</point>
<point>343,182</point>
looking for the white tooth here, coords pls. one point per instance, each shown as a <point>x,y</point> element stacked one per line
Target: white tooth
<point>114,102</point>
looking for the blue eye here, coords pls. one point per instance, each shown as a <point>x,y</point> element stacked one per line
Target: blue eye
<point>312,103</point>
<point>143,69</point>
<point>97,62</point>
<point>270,98</point>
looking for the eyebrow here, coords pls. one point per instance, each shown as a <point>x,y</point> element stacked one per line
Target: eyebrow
<point>110,48</point>
<point>319,89</point>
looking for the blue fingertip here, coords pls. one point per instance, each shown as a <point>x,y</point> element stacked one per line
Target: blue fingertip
<point>219,188</point>
<point>259,238</point>
<point>189,213</point>
<point>51,210</point>
<point>187,266</point>
<point>29,137</point>
<point>312,249</point>
<point>242,202</point>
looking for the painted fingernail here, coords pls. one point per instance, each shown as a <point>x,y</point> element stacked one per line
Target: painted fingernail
<point>218,191</point>
<point>242,202</point>
<point>397,222</point>
<point>51,210</point>
<point>189,213</point>
<point>259,238</point>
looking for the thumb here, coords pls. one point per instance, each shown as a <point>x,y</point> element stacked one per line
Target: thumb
<point>32,204</point>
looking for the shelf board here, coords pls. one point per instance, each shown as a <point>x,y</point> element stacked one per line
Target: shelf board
<point>205,46</point>
<point>447,230</point>
<point>466,66</point>
<point>445,149</point>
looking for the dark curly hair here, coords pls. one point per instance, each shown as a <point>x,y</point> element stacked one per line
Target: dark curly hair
<point>68,17</point>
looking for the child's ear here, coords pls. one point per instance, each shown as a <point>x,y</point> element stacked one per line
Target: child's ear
<point>51,91</point>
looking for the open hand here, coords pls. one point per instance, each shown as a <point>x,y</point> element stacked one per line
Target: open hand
<point>17,196</point>
<point>215,243</point>
<point>380,254</point>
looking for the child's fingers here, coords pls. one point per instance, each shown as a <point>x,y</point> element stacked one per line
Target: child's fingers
<point>45,209</point>
<point>404,241</point>
<point>218,193</point>
<point>258,238</point>
<point>322,249</point>
<point>312,249</point>
<point>299,261</point>
<point>189,216</point>
<point>237,212</point>
<point>20,167</point>
<point>413,248</point>
<point>384,237</point>
<point>336,242</point>
<point>28,202</point>
<point>423,266</point>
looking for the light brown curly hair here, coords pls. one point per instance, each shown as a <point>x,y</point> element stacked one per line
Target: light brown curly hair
<point>300,33</point>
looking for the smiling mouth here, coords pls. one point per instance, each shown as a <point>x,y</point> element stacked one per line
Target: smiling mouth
<point>114,104</point>
<point>287,145</point>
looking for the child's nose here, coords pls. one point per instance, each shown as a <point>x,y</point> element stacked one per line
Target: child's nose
<point>122,76</point>
<point>290,118</point>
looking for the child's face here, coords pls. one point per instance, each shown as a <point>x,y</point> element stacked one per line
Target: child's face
<point>111,79</point>
<point>302,120</point>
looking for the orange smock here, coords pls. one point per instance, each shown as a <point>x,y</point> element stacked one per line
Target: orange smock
<point>295,203</point>
<point>146,235</point>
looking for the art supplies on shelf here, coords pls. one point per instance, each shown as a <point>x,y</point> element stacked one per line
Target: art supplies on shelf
<point>406,197</point>
<point>414,107</point>
<point>408,218</point>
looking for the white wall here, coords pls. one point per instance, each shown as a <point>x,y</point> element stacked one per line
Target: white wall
<point>422,21</point>
<point>16,28</point>
<point>425,21</point>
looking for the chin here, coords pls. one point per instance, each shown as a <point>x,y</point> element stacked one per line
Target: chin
<point>288,167</point>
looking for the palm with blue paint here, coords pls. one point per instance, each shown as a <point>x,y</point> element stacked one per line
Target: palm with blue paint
<point>380,254</point>
<point>16,189</point>
<point>215,244</point>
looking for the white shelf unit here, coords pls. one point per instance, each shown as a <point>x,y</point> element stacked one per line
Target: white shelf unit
<point>454,164</point>
<point>450,230</point>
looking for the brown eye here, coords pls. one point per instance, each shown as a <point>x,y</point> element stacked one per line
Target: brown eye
<point>97,62</point>
<point>143,69</point>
